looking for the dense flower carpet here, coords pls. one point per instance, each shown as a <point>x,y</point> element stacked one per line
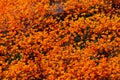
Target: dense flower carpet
<point>59,39</point>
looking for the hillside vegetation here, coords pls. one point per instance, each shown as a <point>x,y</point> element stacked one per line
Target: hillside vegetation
<point>60,40</point>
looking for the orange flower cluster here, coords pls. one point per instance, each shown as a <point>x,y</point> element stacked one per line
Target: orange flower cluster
<point>79,42</point>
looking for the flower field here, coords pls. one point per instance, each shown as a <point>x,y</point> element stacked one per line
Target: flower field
<point>59,39</point>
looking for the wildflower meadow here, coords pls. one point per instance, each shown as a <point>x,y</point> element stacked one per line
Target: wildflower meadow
<point>59,39</point>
